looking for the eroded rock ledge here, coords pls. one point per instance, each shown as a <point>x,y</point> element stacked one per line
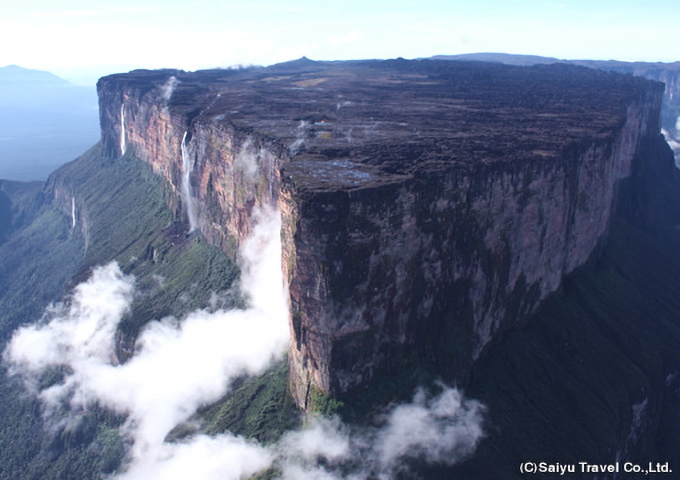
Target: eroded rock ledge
<point>428,205</point>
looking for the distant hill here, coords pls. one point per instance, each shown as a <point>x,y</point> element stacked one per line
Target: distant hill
<point>45,122</point>
<point>517,59</point>
<point>506,58</point>
<point>16,75</point>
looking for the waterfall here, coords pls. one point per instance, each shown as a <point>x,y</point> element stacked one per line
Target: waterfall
<point>122,130</point>
<point>73,212</point>
<point>187,197</point>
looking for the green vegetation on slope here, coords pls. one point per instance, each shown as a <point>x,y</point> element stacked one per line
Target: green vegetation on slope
<point>127,220</point>
<point>258,407</point>
<point>39,256</point>
<point>121,215</point>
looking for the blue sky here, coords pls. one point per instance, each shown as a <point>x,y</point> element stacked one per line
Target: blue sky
<point>81,40</point>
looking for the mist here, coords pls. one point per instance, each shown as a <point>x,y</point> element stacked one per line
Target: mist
<point>169,88</point>
<point>439,427</point>
<point>182,364</point>
<point>675,145</point>
<point>178,366</point>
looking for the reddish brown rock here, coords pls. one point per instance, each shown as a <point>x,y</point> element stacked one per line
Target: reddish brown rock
<point>427,205</point>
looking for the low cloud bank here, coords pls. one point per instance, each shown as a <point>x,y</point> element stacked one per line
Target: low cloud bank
<point>181,365</point>
<point>442,428</point>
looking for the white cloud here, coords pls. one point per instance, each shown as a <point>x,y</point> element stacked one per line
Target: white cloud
<point>438,429</point>
<point>246,161</point>
<point>168,88</point>
<point>324,438</point>
<point>675,146</point>
<point>443,429</point>
<point>222,458</point>
<point>83,331</point>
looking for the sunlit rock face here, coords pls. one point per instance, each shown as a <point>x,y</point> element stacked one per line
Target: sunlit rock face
<point>427,205</point>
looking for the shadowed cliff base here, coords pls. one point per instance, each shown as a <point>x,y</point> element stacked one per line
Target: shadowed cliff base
<point>593,376</point>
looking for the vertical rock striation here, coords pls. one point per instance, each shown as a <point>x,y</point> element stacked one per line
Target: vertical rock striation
<point>427,206</point>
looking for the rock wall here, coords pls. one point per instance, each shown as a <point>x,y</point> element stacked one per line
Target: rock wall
<point>436,266</point>
<point>422,265</point>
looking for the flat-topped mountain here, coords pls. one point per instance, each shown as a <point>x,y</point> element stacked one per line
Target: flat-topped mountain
<point>376,119</point>
<point>425,203</point>
<point>508,230</point>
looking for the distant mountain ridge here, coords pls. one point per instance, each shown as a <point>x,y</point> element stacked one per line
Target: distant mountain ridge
<point>14,74</point>
<point>519,59</point>
<point>506,58</point>
<point>45,121</point>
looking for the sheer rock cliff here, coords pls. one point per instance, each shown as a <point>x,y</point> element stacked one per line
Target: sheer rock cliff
<point>427,205</point>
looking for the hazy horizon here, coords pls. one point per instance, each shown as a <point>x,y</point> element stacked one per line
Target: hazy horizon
<point>82,41</point>
<point>85,79</point>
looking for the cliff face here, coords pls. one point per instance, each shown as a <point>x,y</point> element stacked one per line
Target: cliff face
<point>427,206</point>
<point>440,263</point>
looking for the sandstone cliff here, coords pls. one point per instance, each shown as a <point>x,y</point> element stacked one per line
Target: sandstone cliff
<point>427,205</point>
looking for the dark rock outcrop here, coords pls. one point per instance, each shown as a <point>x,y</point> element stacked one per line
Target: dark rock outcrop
<point>427,205</point>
